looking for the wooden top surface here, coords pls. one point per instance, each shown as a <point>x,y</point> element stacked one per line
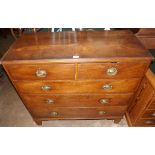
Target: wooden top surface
<point>87,45</point>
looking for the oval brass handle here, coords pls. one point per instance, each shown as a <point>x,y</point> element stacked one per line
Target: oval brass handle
<point>107,87</point>
<point>153,114</point>
<point>149,122</point>
<point>54,114</point>
<point>50,101</point>
<point>101,112</point>
<point>41,73</point>
<point>104,101</point>
<point>46,88</point>
<point>111,71</point>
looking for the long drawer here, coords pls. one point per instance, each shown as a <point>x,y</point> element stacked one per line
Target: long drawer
<point>149,114</point>
<point>78,113</point>
<point>145,122</point>
<point>152,105</point>
<point>41,71</point>
<point>66,100</point>
<point>63,87</point>
<point>110,70</point>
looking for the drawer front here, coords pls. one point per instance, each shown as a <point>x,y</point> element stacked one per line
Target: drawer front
<point>78,113</point>
<point>33,101</point>
<point>110,70</point>
<point>145,122</point>
<point>149,114</point>
<point>41,72</point>
<point>152,105</point>
<point>63,87</point>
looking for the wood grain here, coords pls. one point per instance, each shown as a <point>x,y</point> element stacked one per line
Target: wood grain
<point>79,113</point>
<point>84,100</point>
<point>147,37</point>
<point>65,87</point>
<point>54,71</point>
<point>99,70</point>
<point>87,45</point>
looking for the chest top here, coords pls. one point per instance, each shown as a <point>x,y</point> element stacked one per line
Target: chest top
<point>97,46</point>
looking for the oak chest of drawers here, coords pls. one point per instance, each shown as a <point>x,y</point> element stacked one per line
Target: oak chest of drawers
<point>77,75</point>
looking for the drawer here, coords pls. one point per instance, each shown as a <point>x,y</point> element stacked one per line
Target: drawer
<point>78,113</point>
<point>63,87</point>
<point>145,122</point>
<point>33,101</point>
<point>152,105</point>
<point>110,70</point>
<point>149,114</point>
<point>41,72</point>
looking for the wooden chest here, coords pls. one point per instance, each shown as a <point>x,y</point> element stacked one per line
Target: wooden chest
<point>142,110</point>
<point>147,37</point>
<point>77,75</point>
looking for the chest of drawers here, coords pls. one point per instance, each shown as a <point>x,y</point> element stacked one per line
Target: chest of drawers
<point>77,75</point>
<point>142,110</point>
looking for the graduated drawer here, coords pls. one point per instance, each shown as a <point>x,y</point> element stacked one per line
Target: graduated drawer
<point>66,100</point>
<point>63,87</point>
<point>145,122</point>
<point>152,105</point>
<point>78,113</point>
<point>110,70</point>
<point>41,71</point>
<point>149,114</point>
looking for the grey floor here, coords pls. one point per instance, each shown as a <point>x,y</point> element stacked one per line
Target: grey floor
<point>14,114</point>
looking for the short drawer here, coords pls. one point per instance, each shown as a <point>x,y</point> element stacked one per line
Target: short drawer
<point>110,70</point>
<point>78,113</point>
<point>63,87</point>
<point>41,71</point>
<point>66,100</point>
<point>149,114</point>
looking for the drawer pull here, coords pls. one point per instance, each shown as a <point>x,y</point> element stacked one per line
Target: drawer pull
<point>41,73</point>
<point>46,88</point>
<point>153,114</point>
<point>107,87</point>
<point>104,101</point>
<point>50,101</point>
<point>101,113</point>
<point>111,71</point>
<point>54,114</point>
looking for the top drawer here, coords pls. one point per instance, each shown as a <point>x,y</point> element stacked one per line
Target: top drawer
<point>41,72</point>
<point>110,70</point>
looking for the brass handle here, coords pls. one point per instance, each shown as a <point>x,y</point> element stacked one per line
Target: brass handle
<point>104,101</point>
<point>111,71</point>
<point>41,73</point>
<point>149,122</point>
<point>153,114</point>
<point>54,114</point>
<point>50,101</point>
<point>101,113</point>
<point>107,87</point>
<point>46,88</point>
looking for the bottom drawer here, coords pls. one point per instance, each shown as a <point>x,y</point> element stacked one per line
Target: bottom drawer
<point>78,113</point>
<point>145,122</point>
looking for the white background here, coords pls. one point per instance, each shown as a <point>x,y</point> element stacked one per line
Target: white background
<point>77,14</point>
